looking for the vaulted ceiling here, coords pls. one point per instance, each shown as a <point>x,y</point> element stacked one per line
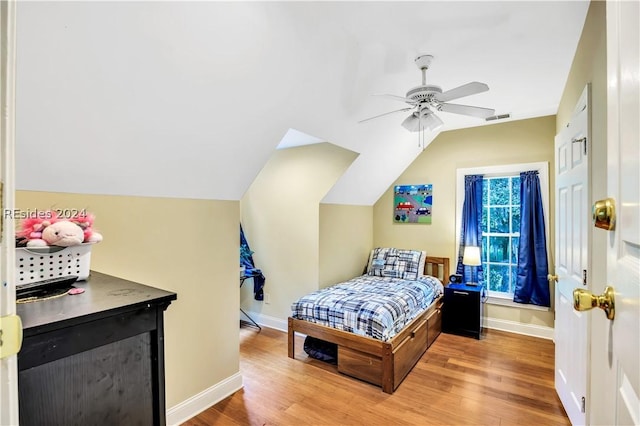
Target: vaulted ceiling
<point>190,99</point>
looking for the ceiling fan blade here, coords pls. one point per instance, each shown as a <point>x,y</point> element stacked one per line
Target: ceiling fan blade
<point>467,110</point>
<point>386,113</point>
<point>397,98</point>
<point>462,91</point>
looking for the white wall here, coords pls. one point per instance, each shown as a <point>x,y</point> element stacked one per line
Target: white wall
<point>185,99</point>
<point>189,99</point>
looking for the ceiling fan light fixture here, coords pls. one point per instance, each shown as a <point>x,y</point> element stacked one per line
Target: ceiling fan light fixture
<point>431,122</point>
<point>425,120</point>
<point>411,123</point>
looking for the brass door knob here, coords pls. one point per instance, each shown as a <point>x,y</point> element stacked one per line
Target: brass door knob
<point>553,278</point>
<point>604,214</point>
<point>583,300</point>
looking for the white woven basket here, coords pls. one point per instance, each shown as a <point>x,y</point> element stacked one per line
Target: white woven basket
<point>37,264</point>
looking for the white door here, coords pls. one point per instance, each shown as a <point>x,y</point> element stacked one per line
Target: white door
<point>8,366</point>
<point>572,222</point>
<point>615,370</point>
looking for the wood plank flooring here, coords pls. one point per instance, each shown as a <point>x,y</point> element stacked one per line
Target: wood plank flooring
<point>503,379</point>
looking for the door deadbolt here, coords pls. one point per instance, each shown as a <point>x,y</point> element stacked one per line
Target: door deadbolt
<point>583,300</point>
<point>604,214</point>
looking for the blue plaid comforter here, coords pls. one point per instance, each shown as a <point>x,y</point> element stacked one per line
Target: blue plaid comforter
<point>377,307</point>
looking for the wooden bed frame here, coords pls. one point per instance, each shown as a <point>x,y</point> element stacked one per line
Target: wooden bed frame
<point>382,363</point>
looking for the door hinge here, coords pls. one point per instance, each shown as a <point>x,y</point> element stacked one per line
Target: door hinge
<point>585,146</point>
<point>580,140</point>
<point>10,335</point>
<point>584,277</point>
<point>584,405</point>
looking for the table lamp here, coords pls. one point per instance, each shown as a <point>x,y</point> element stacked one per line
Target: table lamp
<point>471,257</point>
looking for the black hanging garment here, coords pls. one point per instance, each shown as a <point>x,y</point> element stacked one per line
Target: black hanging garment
<point>246,260</point>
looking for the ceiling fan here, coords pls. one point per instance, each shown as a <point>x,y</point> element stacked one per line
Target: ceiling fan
<point>426,99</point>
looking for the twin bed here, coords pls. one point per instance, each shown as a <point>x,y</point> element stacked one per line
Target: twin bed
<point>383,321</point>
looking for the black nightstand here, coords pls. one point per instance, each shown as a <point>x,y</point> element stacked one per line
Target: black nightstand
<point>462,310</point>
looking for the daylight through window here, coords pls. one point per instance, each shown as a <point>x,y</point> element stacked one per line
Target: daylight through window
<point>500,232</point>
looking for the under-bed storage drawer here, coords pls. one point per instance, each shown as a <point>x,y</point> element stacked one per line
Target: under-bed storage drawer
<point>434,325</point>
<point>409,351</point>
<point>359,364</point>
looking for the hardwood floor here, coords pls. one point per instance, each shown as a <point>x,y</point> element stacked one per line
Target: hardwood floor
<point>503,379</point>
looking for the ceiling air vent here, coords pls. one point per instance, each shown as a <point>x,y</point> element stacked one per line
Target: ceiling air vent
<point>498,117</point>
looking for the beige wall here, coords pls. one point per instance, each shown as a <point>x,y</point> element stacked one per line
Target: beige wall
<point>346,238</point>
<point>523,141</point>
<point>281,219</point>
<point>590,66</point>
<point>186,246</point>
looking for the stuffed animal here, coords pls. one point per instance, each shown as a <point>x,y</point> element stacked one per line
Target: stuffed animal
<point>85,221</point>
<point>31,227</point>
<point>62,234</point>
<point>50,230</point>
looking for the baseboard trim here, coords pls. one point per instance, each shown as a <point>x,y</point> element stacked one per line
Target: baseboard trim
<point>195,405</point>
<point>519,328</point>
<point>270,322</point>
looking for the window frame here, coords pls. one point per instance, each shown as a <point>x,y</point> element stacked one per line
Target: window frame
<point>542,167</point>
<point>510,235</point>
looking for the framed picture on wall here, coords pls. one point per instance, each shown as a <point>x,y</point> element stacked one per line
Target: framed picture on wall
<point>412,203</point>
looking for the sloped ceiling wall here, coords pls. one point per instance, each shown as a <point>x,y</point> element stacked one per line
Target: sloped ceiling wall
<point>189,99</point>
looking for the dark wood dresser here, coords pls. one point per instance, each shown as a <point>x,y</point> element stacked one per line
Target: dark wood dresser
<point>95,358</point>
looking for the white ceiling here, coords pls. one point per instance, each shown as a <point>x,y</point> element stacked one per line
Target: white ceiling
<point>189,99</point>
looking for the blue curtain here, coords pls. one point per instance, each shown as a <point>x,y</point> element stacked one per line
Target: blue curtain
<point>471,227</point>
<point>531,284</point>
<point>246,260</point>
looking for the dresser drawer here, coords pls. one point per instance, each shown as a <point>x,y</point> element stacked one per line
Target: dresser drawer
<point>359,364</point>
<point>410,350</point>
<point>434,326</point>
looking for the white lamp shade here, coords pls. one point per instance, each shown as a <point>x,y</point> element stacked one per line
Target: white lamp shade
<point>471,256</point>
<point>424,120</point>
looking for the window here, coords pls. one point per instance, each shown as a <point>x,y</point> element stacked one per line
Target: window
<point>501,222</point>
<point>500,232</point>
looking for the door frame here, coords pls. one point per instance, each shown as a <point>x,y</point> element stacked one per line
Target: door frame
<point>610,389</point>
<point>9,365</point>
